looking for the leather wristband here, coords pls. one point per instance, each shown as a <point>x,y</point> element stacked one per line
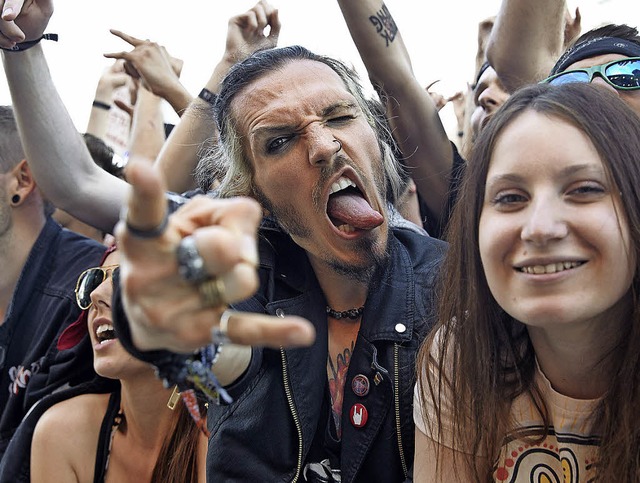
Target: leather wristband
<point>208,96</point>
<point>30,43</point>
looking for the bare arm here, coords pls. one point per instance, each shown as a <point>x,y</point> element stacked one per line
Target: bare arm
<point>57,153</point>
<point>526,40</point>
<point>417,126</point>
<point>181,152</point>
<point>111,79</point>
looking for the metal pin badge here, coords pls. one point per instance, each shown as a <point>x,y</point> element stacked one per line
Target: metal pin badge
<point>360,385</point>
<point>358,415</point>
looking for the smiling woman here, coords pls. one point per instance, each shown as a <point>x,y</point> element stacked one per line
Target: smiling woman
<point>532,370</point>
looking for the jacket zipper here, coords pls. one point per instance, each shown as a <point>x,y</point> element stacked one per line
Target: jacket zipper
<point>396,373</point>
<point>294,413</point>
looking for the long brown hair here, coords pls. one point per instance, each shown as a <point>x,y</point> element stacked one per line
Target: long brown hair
<point>483,358</point>
<point>178,458</point>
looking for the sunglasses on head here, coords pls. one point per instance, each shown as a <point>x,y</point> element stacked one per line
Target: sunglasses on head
<point>623,74</point>
<point>89,280</point>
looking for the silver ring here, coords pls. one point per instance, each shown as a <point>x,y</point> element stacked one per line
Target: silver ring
<point>190,262</point>
<point>147,234</point>
<point>339,145</point>
<point>219,334</point>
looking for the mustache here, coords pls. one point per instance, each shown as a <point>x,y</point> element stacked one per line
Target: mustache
<point>339,162</point>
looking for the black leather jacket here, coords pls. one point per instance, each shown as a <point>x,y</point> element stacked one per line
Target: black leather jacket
<point>266,432</point>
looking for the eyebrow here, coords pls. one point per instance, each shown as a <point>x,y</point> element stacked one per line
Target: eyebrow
<point>566,172</point>
<point>328,111</point>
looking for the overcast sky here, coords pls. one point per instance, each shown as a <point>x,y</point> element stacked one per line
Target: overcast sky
<point>440,35</point>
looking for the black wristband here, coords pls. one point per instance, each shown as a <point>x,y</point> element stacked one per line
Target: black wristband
<point>101,105</point>
<point>30,43</point>
<point>208,96</point>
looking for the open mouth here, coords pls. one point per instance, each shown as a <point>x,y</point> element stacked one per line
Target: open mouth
<point>550,267</point>
<point>105,332</point>
<point>348,209</point>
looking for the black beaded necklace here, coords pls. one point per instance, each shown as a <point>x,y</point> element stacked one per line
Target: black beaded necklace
<point>352,314</point>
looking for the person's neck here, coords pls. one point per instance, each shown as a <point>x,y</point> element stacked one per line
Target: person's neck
<point>15,246</point>
<point>577,360</point>
<point>341,291</point>
<point>144,404</point>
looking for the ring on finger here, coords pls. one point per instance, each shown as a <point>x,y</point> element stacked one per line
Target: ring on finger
<point>147,234</point>
<point>212,292</point>
<point>219,334</point>
<point>190,262</point>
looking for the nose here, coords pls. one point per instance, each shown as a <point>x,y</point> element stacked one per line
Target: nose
<point>600,82</point>
<point>322,145</point>
<point>544,223</point>
<point>101,296</point>
<point>490,100</point>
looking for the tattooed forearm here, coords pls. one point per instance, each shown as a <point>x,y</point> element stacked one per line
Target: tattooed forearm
<point>384,24</point>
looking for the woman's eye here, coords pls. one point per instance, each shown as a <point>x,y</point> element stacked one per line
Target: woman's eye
<point>587,189</point>
<point>507,199</point>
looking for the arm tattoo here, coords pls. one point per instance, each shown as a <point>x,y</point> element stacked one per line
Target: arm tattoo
<point>384,24</point>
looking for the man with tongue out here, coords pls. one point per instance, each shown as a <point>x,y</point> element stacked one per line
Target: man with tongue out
<point>297,134</point>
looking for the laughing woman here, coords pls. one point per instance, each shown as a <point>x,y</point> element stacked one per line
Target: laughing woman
<point>126,436</point>
<point>533,372</point>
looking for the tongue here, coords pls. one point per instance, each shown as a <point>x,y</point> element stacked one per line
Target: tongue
<point>352,209</point>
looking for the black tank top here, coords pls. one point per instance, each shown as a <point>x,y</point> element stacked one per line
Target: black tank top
<point>112,419</point>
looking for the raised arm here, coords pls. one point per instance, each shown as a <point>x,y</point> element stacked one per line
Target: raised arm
<point>181,153</point>
<point>158,71</point>
<point>526,40</point>
<point>57,153</point>
<point>417,127</point>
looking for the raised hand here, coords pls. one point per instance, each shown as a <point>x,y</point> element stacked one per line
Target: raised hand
<point>149,62</point>
<point>167,311</point>
<point>23,20</point>
<point>246,32</point>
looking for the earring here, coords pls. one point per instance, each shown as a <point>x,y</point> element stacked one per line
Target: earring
<point>15,199</point>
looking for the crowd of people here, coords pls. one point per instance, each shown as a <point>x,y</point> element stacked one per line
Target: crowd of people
<point>301,282</point>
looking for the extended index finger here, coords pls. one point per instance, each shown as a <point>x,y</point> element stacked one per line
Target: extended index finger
<point>130,39</point>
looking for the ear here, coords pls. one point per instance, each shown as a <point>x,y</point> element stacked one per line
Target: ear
<point>22,182</point>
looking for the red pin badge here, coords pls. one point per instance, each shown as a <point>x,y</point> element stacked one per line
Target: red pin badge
<point>358,415</point>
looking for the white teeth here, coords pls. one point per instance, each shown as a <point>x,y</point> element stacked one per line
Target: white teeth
<point>550,268</point>
<point>341,184</point>
<point>346,228</point>
<point>105,332</point>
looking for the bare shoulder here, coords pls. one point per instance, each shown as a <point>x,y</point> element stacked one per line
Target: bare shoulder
<point>65,439</point>
<point>75,414</point>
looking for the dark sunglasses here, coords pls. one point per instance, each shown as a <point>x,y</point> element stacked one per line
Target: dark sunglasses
<point>623,74</point>
<point>90,279</point>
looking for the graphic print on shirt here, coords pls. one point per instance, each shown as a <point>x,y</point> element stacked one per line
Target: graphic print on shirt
<point>20,377</point>
<point>560,458</point>
<point>337,375</point>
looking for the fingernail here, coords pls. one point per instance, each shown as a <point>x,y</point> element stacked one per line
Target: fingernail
<point>249,251</point>
<point>7,11</point>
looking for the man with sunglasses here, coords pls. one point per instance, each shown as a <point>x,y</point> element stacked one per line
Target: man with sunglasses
<point>39,262</point>
<point>524,48</point>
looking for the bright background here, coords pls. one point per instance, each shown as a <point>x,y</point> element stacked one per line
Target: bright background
<point>441,37</point>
